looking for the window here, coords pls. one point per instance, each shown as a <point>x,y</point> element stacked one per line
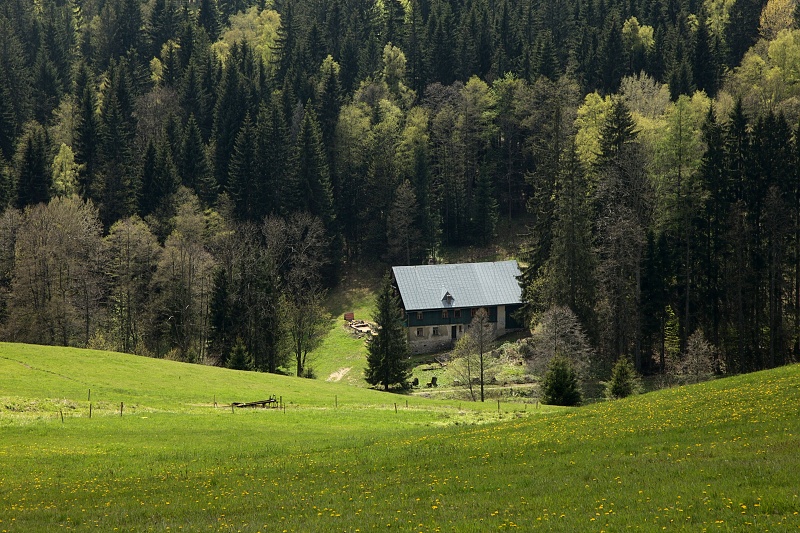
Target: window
<point>460,328</point>
<point>419,315</point>
<point>435,331</point>
<point>420,332</point>
<point>457,313</point>
<point>445,314</point>
<point>472,312</point>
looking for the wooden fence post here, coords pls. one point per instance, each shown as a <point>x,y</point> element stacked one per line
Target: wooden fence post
<point>120,408</point>
<point>90,410</point>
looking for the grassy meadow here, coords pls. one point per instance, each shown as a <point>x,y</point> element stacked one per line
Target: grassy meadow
<point>721,456</point>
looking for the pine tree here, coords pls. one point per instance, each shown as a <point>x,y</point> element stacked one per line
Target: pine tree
<point>239,358</point>
<point>273,150</point>
<point>193,166</point>
<point>310,172</point>
<point>243,173</point>
<point>221,318</point>
<point>705,66</point>
<point>394,23</point>
<point>560,386</point>
<point>611,56</point>
<point>388,352</point>
<point>484,209</point>
<point>47,89</point>
<point>623,379</point>
<point>7,126</point>
<point>229,113</point>
<point>208,18</point>
<point>163,25</point>
<point>119,186</point>
<point>32,167</point>
<point>87,135</point>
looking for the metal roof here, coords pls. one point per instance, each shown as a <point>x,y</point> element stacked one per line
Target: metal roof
<point>458,285</point>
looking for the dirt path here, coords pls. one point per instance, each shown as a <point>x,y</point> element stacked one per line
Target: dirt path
<point>339,374</point>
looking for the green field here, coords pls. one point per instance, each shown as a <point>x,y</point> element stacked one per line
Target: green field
<point>719,457</point>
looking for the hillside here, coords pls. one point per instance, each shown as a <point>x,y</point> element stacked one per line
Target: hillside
<point>717,456</point>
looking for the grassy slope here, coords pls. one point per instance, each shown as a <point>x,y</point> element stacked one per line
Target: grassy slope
<point>719,456</point>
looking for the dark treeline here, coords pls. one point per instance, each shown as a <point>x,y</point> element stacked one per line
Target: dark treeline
<point>664,204</point>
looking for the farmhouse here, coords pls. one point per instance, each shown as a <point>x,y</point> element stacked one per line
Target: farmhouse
<point>439,301</point>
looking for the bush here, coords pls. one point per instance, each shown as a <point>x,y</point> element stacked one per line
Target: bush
<point>560,385</point>
<point>623,380</point>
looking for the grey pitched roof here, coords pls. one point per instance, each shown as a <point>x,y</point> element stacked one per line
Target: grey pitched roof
<point>468,284</point>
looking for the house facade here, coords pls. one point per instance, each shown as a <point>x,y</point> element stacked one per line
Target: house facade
<point>439,301</point>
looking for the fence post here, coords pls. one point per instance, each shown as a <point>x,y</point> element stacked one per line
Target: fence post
<point>120,408</point>
<point>61,412</point>
<point>90,410</point>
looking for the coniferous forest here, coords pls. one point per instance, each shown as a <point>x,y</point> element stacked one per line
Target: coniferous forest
<point>186,178</point>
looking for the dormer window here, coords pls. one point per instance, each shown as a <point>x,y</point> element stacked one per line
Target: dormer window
<point>447,299</point>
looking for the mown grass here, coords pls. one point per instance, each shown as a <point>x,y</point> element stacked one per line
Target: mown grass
<point>342,355</point>
<point>719,456</point>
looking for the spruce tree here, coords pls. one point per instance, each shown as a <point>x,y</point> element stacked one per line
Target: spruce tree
<point>209,18</point>
<point>193,166</point>
<point>87,134</point>
<point>221,319</point>
<point>388,352</point>
<point>32,165</point>
<point>272,152</point>
<point>623,379</point>
<point>560,386</point>
<point>243,173</point>
<point>229,113</point>
<point>310,172</point>
<point>7,126</point>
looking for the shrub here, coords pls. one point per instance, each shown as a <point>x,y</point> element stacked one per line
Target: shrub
<point>560,385</point>
<point>623,379</point>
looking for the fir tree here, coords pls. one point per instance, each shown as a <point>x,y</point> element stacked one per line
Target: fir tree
<point>32,166</point>
<point>209,18</point>
<point>87,134</point>
<point>221,319</point>
<point>310,172</point>
<point>623,379</point>
<point>388,352</point>
<point>243,173</point>
<point>193,164</point>
<point>560,386</point>
<point>239,358</point>
<point>228,115</point>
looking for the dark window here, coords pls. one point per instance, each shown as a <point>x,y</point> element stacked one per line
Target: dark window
<point>435,331</point>
<point>445,313</point>
<point>457,313</point>
<point>419,332</point>
<point>419,315</point>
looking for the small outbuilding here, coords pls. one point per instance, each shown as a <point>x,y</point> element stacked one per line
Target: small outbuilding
<point>439,301</point>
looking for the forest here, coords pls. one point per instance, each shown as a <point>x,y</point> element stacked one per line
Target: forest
<point>186,178</point>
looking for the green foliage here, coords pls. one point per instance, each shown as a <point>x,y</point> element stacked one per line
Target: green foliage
<point>623,379</point>
<point>388,352</point>
<point>239,358</point>
<point>560,385</point>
